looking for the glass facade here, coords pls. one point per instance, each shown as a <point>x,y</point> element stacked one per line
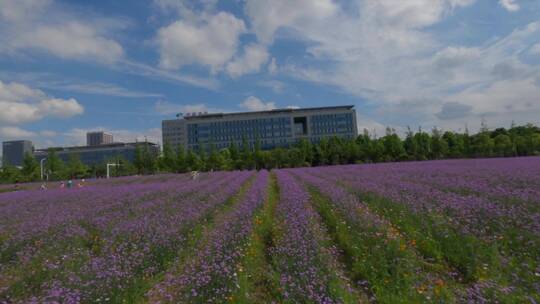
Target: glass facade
<point>96,156</point>
<point>13,151</point>
<point>324,125</point>
<point>275,128</point>
<point>270,132</point>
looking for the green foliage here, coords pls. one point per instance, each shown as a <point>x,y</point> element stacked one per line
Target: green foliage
<point>168,160</point>
<point>75,168</point>
<point>366,148</point>
<point>10,174</point>
<point>30,170</point>
<point>54,165</point>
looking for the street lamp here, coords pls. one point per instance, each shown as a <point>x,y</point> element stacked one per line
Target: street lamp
<point>109,168</point>
<point>41,166</point>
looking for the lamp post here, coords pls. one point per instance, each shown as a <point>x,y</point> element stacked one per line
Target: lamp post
<point>41,166</point>
<point>109,168</point>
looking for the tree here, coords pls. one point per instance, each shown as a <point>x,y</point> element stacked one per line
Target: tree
<point>306,150</point>
<point>30,170</point>
<point>235,156</point>
<point>149,160</point>
<point>439,145</point>
<point>363,142</point>
<point>202,158</point>
<point>482,145</point>
<point>296,158</point>
<point>423,145</point>
<point>258,155</point>
<point>124,167</point>
<point>410,145</point>
<point>75,168</point>
<point>393,146</point>
<point>54,165</point>
<point>228,163</point>
<point>247,155</point>
<point>215,160</point>
<point>181,165</point>
<point>167,161</point>
<point>10,174</point>
<point>503,145</point>
<point>193,162</point>
<point>456,148</point>
<point>138,160</point>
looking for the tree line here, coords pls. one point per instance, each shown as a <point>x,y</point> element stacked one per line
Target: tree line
<point>366,148</point>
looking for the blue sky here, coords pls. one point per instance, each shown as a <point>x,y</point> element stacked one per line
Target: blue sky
<point>67,67</point>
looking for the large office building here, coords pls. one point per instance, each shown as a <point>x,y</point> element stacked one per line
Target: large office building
<point>95,155</point>
<point>275,128</point>
<point>98,138</point>
<point>13,151</point>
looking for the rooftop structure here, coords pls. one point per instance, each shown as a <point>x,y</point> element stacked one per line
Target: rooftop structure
<point>280,127</point>
<point>98,138</point>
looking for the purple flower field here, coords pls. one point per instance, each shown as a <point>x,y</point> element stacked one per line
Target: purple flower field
<point>454,231</point>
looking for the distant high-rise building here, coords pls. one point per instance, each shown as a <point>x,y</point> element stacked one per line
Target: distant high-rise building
<point>13,151</point>
<point>275,128</point>
<point>98,138</point>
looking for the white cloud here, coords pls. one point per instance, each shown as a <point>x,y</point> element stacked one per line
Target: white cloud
<point>96,88</point>
<point>10,132</point>
<point>48,133</point>
<point>21,104</point>
<point>18,112</point>
<point>250,61</point>
<point>374,127</point>
<point>171,76</point>
<point>272,66</point>
<point>509,5</point>
<point>387,53</point>
<point>276,85</point>
<point>253,103</point>
<point>22,10</point>
<point>61,108</point>
<point>43,26</point>
<point>268,16</point>
<point>212,41</point>
<point>535,49</point>
<point>71,40</point>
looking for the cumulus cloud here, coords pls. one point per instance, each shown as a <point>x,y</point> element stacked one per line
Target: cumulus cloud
<point>250,61</point>
<point>48,133</point>
<point>276,85</point>
<point>211,41</point>
<point>268,16</point>
<point>272,66</point>
<point>21,104</point>
<point>10,132</point>
<point>253,103</point>
<point>509,5</point>
<point>72,40</point>
<point>535,49</point>
<point>386,53</point>
<point>42,26</point>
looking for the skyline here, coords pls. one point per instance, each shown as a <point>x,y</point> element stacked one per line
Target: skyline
<point>71,67</point>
